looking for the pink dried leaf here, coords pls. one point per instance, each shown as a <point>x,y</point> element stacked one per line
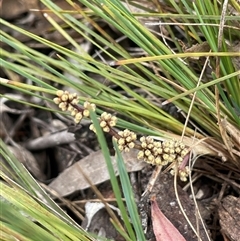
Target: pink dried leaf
<point>162,227</point>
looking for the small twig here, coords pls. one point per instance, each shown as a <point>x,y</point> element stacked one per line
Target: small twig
<point>152,180</point>
<point>193,98</point>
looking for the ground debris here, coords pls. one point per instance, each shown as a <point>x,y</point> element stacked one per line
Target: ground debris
<point>229,213</point>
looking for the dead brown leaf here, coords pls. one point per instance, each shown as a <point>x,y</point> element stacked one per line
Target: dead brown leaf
<point>94,166</point>
<point>234,133</point>
<point>63,4</point>
<point>202,47</point>
<point>11,9</point>
<point>51,140</point>
<point>28,160</point>
<point>97,221</point>
<point>198,147</point>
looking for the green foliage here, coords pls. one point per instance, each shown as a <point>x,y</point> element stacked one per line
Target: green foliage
<point>136,106</point>
<point>129,196</point>
<point>27,212</point>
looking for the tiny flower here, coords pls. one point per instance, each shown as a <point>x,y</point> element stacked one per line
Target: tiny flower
<point>147,153</point>
<point>171,158</point>
<point>140,155</point>
<point>150,158</point>
<point>70,108</point>
<point>127,140</point>
<point>121,141</point>
<point>157,150</point>
<point>165,157</point>
<point>74,112</point>
<point>179,159</point>
<point>164,162</point>
<point>64,97</point>
<point>78,117</point>
<point>88,105</point>
<point>167,150</point>
<point>57,100</point>
<point>184,152</point>
<point>184,173</point>
<point>144,144</point>
<point>92,128</point>
<point>72,97</point>
<point>103,124</point>
<point>86,113</point>
<point>131,145</point>
<point>106,129</point>
<point>113,121</point>
<point>75,101</point>
<point>63,106</point>
<point>59,93</point>
<point>178,149</point>
<point>107,116</point>
<point>120,148</point>
<point>158,160</point>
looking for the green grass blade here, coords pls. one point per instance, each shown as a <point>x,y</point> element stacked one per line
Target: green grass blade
<point>113,179</point>
<point>128,194</point>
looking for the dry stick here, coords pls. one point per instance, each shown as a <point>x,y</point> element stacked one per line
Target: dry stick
<point>223,131</point>
<point>181,207</point>
<point>175,175</point>
<point>100,196</point>
<point>193,98</point>
<point>195,201</point>
<point>222,191</point>
<point>152,180</point>
<point>190,24</point>
<point>72,206</point>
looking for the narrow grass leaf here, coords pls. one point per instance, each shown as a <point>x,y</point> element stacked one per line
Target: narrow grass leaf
<point>129,196</point>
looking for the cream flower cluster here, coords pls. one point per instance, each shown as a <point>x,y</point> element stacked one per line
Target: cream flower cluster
<point>106,121</point>
<point>126,140</point>
<point>164,153</point>
<point>161,153</point>
<point>151,151</point>
<point>69,102</point>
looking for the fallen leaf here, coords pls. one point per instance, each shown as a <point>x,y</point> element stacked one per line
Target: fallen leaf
<point>233,131</point>
<point>162,227</point>
<point>167,202</point>
<point>207,146</point>
<point>11,9</point>
<point>51,140</point>
<point>97,221</point>
<point>202,47</point>
<point>94,166</point>
<point>28,160</point>
<point>91,208</point>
